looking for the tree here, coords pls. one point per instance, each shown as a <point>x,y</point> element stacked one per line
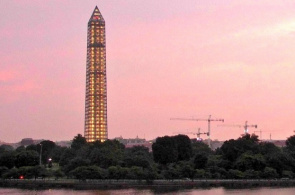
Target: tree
<point>171,172</point>
<point>165,150</point>
<point>232,149</point>
<point>187,170</point>
<point>118,172</point>
<point>200,173</point>
<point>249,161</point>
<point>32,172</point>
<point>251,174</point>
<point>57,152</point>
<point>290,145</point>
<point>184,147</point>
<point>290,142</point>
<point>78,142</point>
<point>200,160</point>
<point>280,161</point>
<point>67,156</point>
<point>20,149</point>
<point>89,172</point>
<point>235,174</point>
<point>11,173</point>
<point>27,158</point>
<point>7,159</point>
<point>268,148</point>
<point>109,154</point>
<point>6,148</point>
<point>199,146</point>
<point>47,148</point>
<point>3,170</point>
<point>33,147</point>
<point>137,173</point>
<point>270,173</point>
<point>76,162</point>
<point>137,156</point>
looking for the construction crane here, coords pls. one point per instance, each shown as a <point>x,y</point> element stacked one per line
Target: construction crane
<point>209,120</point>
<point>260,132</point>
<point>245,126</point>
<point>198,133</point>
<point>260,136</point>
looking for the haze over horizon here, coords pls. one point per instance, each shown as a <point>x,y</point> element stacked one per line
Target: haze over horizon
<point>229,59</point>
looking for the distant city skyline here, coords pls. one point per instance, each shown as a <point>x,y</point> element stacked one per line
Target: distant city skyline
<point>230,59</point>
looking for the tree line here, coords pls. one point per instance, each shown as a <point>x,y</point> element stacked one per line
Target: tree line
<point>172,157</point>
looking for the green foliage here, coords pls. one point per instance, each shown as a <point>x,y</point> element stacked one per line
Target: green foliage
<point>172,158</point>
<point>6,148</point>
<point>200,147</point>
<point>78,142</point>
<point>232,149</point>
<point>165,150</point>
<point>57,152</point>
<point>33,147</point>
<point>30,172</point>
<point>27,158</point>
<point>172,149</point>
<point>66,156</point>
<point>136,173</point>
<point>47,148</point>
<point>20,149</point>
<point>270,173</point>
<point>172,172</point>
<point>117,172</point>
<point>268,148</point>
<point>137,156</point>
<point>58,173</point>
<point>200,173</point>
<point>200,160</point>
<point>287,174</point>
<point>89,172</point>
<point>7,159</point>
<point>184,147</point>
<point>249,161</point>
<point>110,153</point>
<point>76,162</point>
<point>290,142</point>
<point>3,170</point>
<point>252,174</point>
<point>187,170</point>
<point>235,174</point>
<point>11,173</point>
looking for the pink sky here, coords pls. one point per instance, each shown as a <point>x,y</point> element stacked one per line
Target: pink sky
<point>231,59</point>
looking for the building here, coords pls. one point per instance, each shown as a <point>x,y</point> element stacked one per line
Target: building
<point>96,82</point>
<point>131,142</point>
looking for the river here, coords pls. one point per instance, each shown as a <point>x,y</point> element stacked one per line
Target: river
<point>211,191</point>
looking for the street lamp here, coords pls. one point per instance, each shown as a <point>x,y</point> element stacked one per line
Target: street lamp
<point>40,161</point>
<point>49,162</point>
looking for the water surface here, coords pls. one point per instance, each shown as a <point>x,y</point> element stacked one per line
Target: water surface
<point>211,191</point>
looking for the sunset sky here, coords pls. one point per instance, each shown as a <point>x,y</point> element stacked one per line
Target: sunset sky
<point>232,59</point>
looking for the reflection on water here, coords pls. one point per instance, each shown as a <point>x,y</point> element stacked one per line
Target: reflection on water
<point>212,191</point>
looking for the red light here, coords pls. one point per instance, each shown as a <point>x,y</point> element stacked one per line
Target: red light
<point>21,177</point>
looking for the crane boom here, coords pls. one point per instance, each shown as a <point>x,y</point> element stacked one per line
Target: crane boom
<point>245,126</point>
<point>209,119</point>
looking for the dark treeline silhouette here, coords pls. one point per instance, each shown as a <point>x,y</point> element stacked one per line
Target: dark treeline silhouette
<point>175,157</point>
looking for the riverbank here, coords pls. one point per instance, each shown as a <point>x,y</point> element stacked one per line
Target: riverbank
<point>124,184</point>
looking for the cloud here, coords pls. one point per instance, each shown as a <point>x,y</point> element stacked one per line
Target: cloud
<point>276,30</point>
<point>7,75</point>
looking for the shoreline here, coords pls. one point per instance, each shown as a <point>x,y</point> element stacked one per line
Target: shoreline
<point>156,184</point>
